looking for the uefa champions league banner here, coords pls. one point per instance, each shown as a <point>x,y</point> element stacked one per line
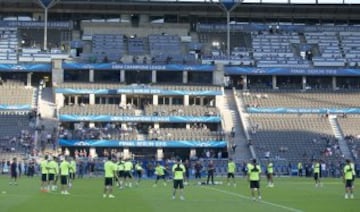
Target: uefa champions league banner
<point>31,67</point>
<point>136,67</point>
<point>304,110</point>
<point>237,70</point>
<point>116,143</point>
<point>106,118</point>
<point>15,107</point>
<point>137,90</point>
<point>250,27</point>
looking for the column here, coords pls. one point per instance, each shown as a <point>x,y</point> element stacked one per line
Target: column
<point>187,126</point>
<point>122,76</point>
<point>126,153</point>
<point>245,85</point>
<point>274,82</point>
<point>159,154</point>
<point>92,99</point>
<point>28,79</point>
<point>91,124</point>
<point>334,84</point>
<point>192,153</point>
<point>185,77</point>
<point>91,75</point>
<point>153,76</point>
<point>59,99</point>
<point>76,100</point>
<point>186,100</point>
<point>156,125</point>
<point>304,82</point>
<point>123,99</point>
<point>155,99</point>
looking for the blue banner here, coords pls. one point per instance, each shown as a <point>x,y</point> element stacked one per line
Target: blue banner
<point>116,143</point>
<point>304,110</point>
<point>107,118</point>
<point>15,107</point>
<point>293,71</point>
<point>29,67</point>
<point>251,27</point>
<point>129,67</point>
<point>137,90</point>
<point>38,24</point>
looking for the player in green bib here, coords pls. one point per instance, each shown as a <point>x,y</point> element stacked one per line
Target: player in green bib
<point>178,171</point>
<point>72,172</point>
<point>231,168</point>
<point>65,167</point>
<point>160,173</point>
<point>139,171</point>
<point>110,169</point>
<point>44,174</point>
<point>120,173</point>
<point>316,171</point>
<point>53,168</point>
<point>270,174</point>
<point>348,180</point>
<point>254,171</point>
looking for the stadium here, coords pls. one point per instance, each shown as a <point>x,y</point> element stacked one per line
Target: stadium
<point>203,81</point>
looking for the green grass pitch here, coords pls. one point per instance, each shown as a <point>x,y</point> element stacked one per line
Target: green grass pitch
<point>289,194</point>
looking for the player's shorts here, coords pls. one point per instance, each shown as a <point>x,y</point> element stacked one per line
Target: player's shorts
<point>316,176</point>
<point>255,184</point>
<point>139,174</point>
<point>178,184</point>
<point>230,175</point>
<point>72,175</point>
<point>14,175</point>
<point>64,180</point>
<point>348,183</point>
<point>158,177</point>
<point>127,174</point>
<point>44,177</point>
<point>108,181</point>
<point>121,173</point>
<point>51,177</point>
<point>269,175</point>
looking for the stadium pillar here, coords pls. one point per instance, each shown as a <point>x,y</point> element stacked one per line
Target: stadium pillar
<point>59,100</point>
<point>123,99</point>
<point>126,153</point>
<point>45,27</point>
<point>91,124</point>
<point>91,99</point>
<point>192,153</point>
<point>274,82</point>
<point>122,76</point>
<point>28,79</point>
<point>185,77</point>
<point>334,84</point>
<point>155,99</point>
<point>186,100</point>
<point>159,154</point>
<point>156,125</point>
<point>303,82</point>
<point>91,75</point>
<point>153,76</point>
<point>245,82</point>
<point>187,126</point>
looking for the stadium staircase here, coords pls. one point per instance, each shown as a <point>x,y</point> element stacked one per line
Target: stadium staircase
<point>47,109</point>
<point>339,136</point>
<point>231,118</point>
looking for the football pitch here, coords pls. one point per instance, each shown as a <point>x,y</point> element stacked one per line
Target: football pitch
<point>289,194</point>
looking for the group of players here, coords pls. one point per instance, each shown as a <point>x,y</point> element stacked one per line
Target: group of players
<point>52,169</point>
<point>64,168</point>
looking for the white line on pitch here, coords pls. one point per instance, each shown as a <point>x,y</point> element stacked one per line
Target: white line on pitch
<point>248,198</point>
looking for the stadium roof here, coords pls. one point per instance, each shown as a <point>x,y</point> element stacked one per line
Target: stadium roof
<point>342,10</point>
